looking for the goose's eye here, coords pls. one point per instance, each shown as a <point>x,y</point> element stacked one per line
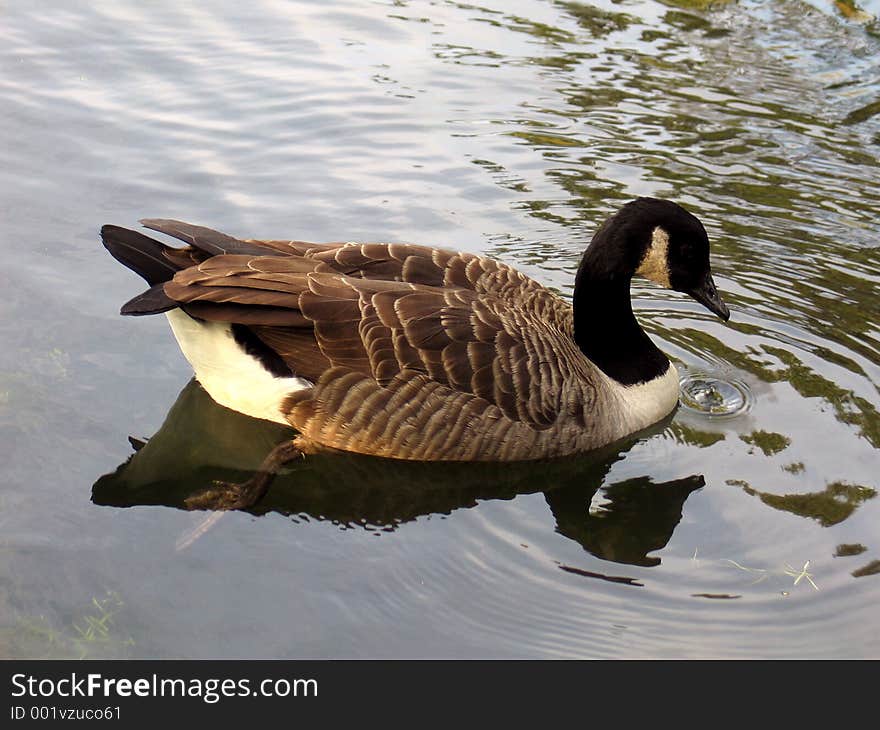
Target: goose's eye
<point>688,257</point>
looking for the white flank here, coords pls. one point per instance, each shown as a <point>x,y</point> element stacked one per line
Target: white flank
<point>642,404</point>
<point>232,377</point>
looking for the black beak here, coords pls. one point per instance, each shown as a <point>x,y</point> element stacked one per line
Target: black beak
<point>707,295</point>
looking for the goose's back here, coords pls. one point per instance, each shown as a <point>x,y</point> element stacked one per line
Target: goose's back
<point>414,352</point>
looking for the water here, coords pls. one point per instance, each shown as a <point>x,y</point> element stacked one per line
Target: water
<point>506,128</point>
<point>711,396</point>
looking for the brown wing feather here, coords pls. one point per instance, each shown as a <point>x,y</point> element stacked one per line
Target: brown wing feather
<point>379,261</point>
<point>298,348</point>
<point>379,328</point>
<point>415,352</point>
<point>205,239</point>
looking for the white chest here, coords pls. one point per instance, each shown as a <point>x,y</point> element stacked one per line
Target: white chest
<point>645,403</point>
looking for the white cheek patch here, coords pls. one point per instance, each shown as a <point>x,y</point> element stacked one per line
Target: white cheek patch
<point>655,264</point>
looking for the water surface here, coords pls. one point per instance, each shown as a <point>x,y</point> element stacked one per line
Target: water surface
<point>505,128</point>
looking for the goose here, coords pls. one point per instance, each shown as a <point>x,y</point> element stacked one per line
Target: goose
<point>412,352</point>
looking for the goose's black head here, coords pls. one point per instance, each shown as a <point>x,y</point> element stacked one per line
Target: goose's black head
<point>659,240</point>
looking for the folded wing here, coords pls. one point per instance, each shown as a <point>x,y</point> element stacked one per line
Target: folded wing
<point>316,318</point>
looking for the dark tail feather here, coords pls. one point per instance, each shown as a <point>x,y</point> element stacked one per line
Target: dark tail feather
<point>153,301</point>
<point>145,257</point>
<point>139,253</point>
<point>206,239</point>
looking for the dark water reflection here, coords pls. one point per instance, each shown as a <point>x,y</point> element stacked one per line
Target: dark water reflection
<point>509,128</point>
<point>380,494</point>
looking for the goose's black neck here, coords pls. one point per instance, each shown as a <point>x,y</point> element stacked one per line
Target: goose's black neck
<point>605,328</point>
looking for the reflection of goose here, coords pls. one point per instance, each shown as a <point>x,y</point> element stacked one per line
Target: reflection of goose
<point>418,353</point>
<point>200,441</point>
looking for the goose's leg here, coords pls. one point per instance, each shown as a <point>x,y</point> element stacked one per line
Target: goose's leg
<point>228,495</point>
